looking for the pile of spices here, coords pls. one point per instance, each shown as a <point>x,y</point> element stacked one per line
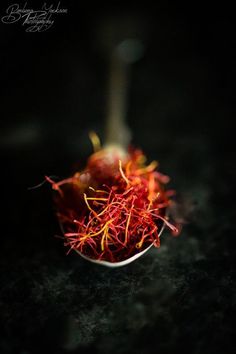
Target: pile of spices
<point>115,207</point>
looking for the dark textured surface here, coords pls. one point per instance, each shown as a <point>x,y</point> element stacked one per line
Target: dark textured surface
<point>180,298</point>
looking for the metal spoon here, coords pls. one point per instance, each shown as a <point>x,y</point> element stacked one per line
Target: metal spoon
<point>122,54</point>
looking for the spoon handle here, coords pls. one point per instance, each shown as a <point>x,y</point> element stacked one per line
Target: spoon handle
<point>116,130</point>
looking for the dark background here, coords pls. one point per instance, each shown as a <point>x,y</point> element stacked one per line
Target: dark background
<point>180,298</point>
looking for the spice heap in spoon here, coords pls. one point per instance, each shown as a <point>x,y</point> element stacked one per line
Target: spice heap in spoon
<point>115,207</point>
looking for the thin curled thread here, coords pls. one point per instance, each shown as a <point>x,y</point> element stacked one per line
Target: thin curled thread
<point>41,183</point>
<point>115,227</point>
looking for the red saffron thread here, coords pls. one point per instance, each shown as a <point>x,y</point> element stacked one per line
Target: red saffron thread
<point>115,207</point>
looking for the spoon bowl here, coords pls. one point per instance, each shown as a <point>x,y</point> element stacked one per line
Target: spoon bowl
<point>121,263</point>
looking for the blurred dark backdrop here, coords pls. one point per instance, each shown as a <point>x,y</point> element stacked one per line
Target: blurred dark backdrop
<point>181,112</point>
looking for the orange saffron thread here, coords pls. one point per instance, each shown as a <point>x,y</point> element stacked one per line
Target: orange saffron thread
<point>122,172</point>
